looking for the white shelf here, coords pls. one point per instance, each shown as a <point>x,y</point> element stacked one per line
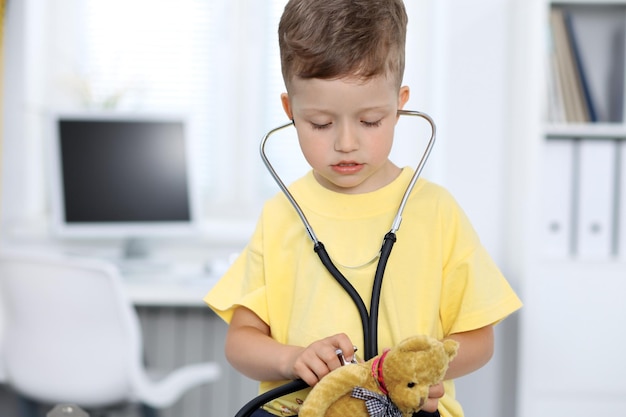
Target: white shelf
<point>572,303</point>
<point>587,130</point>
<point>589,2</point>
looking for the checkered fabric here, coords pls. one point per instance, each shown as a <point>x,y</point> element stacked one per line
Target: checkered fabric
<point>377,405</point>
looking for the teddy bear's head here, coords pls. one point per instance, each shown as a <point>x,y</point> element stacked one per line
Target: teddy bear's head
<point>407,371</point>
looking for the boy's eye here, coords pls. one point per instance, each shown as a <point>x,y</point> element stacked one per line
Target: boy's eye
<point>371,124</point>
<point>318,126</point>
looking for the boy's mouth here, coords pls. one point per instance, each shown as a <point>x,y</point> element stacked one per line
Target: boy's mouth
<point>347,167</point>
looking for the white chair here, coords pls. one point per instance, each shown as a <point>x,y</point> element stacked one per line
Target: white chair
<point>72,336</point>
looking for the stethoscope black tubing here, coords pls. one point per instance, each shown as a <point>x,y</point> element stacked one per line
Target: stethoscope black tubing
<point>368,321</point>
<point>256,403</point>
<point>371,343</point>
<point>352,292</point>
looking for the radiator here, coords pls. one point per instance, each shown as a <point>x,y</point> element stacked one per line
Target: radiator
<point>177,336</point>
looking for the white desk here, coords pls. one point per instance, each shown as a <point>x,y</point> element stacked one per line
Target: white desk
<point>178,273</point>
<point>172,280</point>
<point>155,282</point>
<point>169,290</point>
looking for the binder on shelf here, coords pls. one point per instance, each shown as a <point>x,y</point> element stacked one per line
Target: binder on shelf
<point>557,198</point>
<point>587,101</point>
<point>556,105</point>
<point>589,62</point>
<point>620,244</point>
<point>567,70</point>
<point>616,74</point>
<point>595,227</point>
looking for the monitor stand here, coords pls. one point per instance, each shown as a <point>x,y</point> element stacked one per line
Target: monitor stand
<point>137,259</point>
<point>135,249</point>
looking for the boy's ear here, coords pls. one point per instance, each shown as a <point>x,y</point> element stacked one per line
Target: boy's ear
<point>284,98</point>
<point>403,96</point>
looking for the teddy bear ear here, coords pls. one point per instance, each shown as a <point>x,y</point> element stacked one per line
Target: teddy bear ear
<point>451,347</point>
<point>416,343</point>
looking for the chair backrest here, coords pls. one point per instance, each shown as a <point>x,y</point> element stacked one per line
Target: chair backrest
<point>70,334</point>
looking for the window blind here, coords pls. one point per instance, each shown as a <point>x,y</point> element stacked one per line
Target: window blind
<point>216,62</point>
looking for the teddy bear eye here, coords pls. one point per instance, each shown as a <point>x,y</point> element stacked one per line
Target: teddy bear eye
<point>410,384</point>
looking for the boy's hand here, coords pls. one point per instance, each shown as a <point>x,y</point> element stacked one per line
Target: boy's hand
<point>320,357</point>
<point>435,392</point>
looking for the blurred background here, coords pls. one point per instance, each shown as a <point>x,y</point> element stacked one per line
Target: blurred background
<point>530,142</point>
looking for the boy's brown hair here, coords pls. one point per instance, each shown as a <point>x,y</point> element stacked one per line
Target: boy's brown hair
<point>330,39</point>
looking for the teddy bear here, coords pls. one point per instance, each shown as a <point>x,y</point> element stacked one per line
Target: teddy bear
<point>394,383</point>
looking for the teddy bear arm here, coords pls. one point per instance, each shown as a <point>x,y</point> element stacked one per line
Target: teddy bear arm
<point>451,348</point>
<point>331,389</point>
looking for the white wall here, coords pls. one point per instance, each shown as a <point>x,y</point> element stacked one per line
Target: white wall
<point>21,194</point>
<point>474,85</point>
<point>12,101</point>
<point>12,88</point>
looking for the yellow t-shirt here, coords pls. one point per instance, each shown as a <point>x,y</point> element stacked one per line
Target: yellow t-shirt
<point>439,279</point>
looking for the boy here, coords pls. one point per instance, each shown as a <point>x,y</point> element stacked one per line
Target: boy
<point>342,63</point>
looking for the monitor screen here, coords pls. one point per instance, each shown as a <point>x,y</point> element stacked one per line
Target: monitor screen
<point>121,176</point>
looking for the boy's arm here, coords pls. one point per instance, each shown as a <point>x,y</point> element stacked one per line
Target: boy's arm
<point>475,350</point>
<point>251,350</point>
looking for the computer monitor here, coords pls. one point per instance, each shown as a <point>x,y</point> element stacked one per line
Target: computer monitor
<point>121,176</point>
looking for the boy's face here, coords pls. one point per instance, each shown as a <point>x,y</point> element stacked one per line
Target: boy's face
<point>345,129</point>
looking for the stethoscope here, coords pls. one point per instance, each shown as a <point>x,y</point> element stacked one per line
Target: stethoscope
<point>369,320</point>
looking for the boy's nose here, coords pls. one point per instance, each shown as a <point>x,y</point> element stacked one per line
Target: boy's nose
<point>346,140</point>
